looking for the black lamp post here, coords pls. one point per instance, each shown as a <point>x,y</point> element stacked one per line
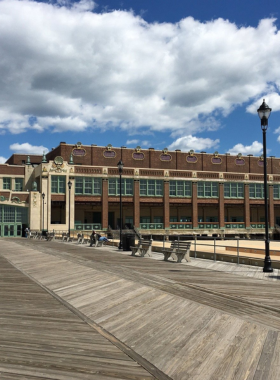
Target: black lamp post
<point>43,198</point>
<point>69,187</point>
<point>120,166</point>
<point>264,113</point>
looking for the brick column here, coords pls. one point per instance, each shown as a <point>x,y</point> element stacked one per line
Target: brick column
<point>105,205</point>
<point>136,204</point>
<point>166,212</point>
<point>194,205</point>
<point>271,207</point>
<point>221,206</point>
<point>247,206</point>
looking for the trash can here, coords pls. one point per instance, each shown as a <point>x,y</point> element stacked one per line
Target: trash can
<point>128,240</point>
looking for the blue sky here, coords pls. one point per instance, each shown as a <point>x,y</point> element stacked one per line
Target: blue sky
<point>155,73</point>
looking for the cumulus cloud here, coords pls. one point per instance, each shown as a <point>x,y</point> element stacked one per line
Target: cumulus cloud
<point>256,149</point>
<point>272,100</point>
<point>188,143</point>
<point>81,6</point>
<point>68,68</point>
<point>27,148</point>
<point>2,160</point>
<point>132,142</point>
<point>135,142</point>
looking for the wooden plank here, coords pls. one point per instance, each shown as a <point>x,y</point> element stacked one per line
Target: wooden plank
<point>186,321</point>
<point>41,339</point>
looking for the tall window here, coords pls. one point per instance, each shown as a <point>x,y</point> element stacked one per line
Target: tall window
<point>114,186</point>
<point>58,184</point>
<point>151,187</point>
<point>207,189</point>
<point>234,190</point>
<point>276,191</point>
<point>256,190</point>
<point>180,188</point>
<point>7,183</point>
<point>9,214</point>
<point>18,184</point>
<point>88,185</point>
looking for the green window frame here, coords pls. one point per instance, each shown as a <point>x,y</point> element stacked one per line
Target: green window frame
<point>18,184</point>
<point>58,184</point>
<point>180,189</point>
<point>88,185</point>
<point>114,186</point>
<point>207,189</point>
<point>151,188</point>
<point>234,190</point>
<point>13,214</point>
<point>256,190</point>
<point>276,191</point>
<point>7,183</point>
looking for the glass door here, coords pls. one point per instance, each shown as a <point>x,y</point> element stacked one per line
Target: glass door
<point>10,230</point>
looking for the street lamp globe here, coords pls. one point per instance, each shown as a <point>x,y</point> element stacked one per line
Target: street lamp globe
<point>120,166</point>
<point>264,113</point>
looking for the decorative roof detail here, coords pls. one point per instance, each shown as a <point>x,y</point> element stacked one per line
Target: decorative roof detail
<point>78,150</point>
<point>109,153</point>
<point>239,160</point>
<point>165,156</point>
<point>44,159</point>
<point>17,200</point>
<point>138,155</point>
<point>58,165</point>
<point>261,161</point>
<point>191,159</point>
<point>216,159</point>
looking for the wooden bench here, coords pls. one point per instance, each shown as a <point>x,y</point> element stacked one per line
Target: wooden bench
<point>86,239</point>
<point>33,235</point>
<point>80,238</point>
<point>179,250</point>
<point>64,236</point>
<point>50,236</point>
<point>144,247</point>
<point>99,243</point>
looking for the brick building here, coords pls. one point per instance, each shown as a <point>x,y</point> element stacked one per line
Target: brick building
<point>174,192</point>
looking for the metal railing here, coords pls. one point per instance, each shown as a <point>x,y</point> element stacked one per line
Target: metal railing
<point>151,226</point>
<point>87,226</point>
<point>180,226</point>
<point>208,225</point>
<point>217,249</point>
<point>234,225</point>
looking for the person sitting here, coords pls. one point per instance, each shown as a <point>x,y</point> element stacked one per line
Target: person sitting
<point>103,238</point>
<point>93,238</point>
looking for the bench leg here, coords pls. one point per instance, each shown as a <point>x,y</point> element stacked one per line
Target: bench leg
<point>166,256</point>
<point>134,251</point>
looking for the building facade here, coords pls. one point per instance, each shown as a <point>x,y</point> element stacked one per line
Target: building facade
<point>163,191</point>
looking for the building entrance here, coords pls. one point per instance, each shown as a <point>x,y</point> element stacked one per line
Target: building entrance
<point>10,230</point>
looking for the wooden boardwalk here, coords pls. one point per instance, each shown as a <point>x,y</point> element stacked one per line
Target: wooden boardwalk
<point>174,321</point>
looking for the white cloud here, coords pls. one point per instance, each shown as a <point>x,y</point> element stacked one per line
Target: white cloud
<point>81,6</point>
<point>188,143</point>
<point>70,69</point>
<point>256,149</point>
<point>132,142</point>
<point>27,148</point>
<point>272,99</point>
<point>135,142</point>
<point>2,160</point>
